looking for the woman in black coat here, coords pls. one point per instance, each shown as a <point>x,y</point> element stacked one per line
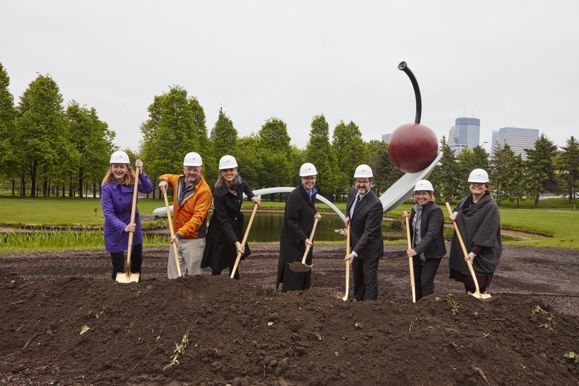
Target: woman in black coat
<point>426,228</point>
<point>298,221</point>
<point>478,221</point>
<point>225,231</point>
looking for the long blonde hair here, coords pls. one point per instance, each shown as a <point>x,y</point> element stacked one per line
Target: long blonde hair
<point>220,181</point>
<point>128,179</point>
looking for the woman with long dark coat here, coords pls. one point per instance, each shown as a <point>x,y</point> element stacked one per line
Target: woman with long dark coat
<point>298,222</point>
<point>478,220</point>
<point>225,231</point>
<point>426,226</point>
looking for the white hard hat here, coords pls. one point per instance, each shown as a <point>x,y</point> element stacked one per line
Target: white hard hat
<point>227,162</point>
<point>120,157</point>
<point>308,169</point>
<point>192,159</point>
<point>423,185</point>
<point>479,175</point>
<point>363,171</point>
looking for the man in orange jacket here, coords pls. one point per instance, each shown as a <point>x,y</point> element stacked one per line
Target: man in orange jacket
<point>191,202</point>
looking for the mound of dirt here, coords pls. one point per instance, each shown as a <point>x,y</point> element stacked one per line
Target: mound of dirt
<point>64,320</point>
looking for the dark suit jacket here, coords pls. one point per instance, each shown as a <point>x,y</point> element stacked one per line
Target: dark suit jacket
<point>431,224</point>
<point>366,225</point>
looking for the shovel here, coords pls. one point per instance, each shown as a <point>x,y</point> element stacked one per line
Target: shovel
<point>410,261</point>
<point>347,263</point>
<point>175,250</point>
<point>238,258</point>
<point>297,266</point>
<point>127,276</point>
<point>477,294</point>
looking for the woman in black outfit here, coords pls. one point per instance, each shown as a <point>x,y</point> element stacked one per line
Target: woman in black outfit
<point>225,231</point>
<point>426,224</point>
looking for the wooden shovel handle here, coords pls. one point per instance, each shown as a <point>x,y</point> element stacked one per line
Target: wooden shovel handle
<point>175,250</point>
<point>347,284</point>
<point>311,240</point>
<point>238,258</point>
<point>133,216</point>
<point>410,261</point>
<point>465,252</point>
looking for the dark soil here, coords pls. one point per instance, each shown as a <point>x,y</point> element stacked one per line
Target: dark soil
<point>245,333</point>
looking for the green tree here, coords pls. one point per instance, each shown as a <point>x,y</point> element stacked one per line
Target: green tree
<point>9,164</point>
<point>42,131</point>
<point>568,165</point>
<point>540,167</point>
<point>320,153</point>
<point>274,153</point>
<point>500,171</point>
<point>176,126</point>
<point>224,136</point>
<point>446,177</point>
<point>516,186</point>
<point>350,151</point>
<point>92,142</point>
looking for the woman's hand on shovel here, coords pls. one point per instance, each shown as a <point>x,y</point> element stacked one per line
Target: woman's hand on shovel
<point>470,257</point>
<point>240,248</point>
<point>130,227</point>
<point>256,200</point>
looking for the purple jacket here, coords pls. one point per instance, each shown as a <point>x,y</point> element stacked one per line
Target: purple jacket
<point>116,201</point>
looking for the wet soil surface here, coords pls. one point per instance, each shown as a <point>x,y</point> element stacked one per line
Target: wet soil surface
<point>63,320</point>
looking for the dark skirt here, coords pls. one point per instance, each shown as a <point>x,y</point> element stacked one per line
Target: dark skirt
<point>484,281</point>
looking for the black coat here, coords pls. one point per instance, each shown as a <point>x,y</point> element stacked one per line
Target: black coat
<point>479,224</point>
<point>298,221</point>
<point>225,228</point>
<point>366,225</point>
<point>431,226</point>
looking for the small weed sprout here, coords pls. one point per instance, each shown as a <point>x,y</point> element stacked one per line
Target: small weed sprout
<point>453,304</point>
<point>179,350</point>
<point>571,357</point>
<point>550,321</point>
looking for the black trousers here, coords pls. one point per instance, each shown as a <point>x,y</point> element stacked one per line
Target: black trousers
<point>424,275</point>
<point>365,272</point>
<point>136,260</point>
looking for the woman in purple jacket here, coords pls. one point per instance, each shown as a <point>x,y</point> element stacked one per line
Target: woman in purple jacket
<point>116,200</point>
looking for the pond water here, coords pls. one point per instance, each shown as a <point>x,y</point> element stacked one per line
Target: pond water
<point>266,227</point>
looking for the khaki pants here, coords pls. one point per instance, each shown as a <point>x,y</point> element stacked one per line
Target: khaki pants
<point>190,255</point>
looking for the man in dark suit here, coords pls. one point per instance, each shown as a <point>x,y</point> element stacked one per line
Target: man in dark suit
<point>364,214</point>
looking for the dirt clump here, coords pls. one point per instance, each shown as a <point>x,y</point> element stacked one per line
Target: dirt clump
<point>64,320</point>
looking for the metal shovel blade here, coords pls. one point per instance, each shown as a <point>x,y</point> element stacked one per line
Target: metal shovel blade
<point>298,266</point>
<point>481,296</point>
<point>127,277</point>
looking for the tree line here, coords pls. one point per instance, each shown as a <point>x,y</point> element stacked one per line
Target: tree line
<point>47,149</point>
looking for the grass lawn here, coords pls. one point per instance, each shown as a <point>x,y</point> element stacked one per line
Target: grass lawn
<point>554,217</point>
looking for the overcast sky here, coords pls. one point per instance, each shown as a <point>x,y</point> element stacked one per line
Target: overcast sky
<point>509,63</point>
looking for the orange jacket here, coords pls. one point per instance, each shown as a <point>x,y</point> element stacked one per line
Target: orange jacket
<point>192,215</point>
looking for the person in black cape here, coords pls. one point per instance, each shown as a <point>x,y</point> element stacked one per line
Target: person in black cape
<point>300,211</point>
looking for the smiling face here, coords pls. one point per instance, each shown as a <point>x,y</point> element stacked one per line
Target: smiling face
<point>309,182</point>
<point>477,189</point>
<point>363,185</point>
<point>191,173</point>
<point>228,175</point>
<point>119,171</point>
<point>422,197</point>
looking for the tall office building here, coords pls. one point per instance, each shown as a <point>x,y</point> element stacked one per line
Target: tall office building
<point>464,134</point>
<point>386,137</point>
<point>517,138</point>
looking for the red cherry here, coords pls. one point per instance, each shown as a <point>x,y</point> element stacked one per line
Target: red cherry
<point>412,147</point>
